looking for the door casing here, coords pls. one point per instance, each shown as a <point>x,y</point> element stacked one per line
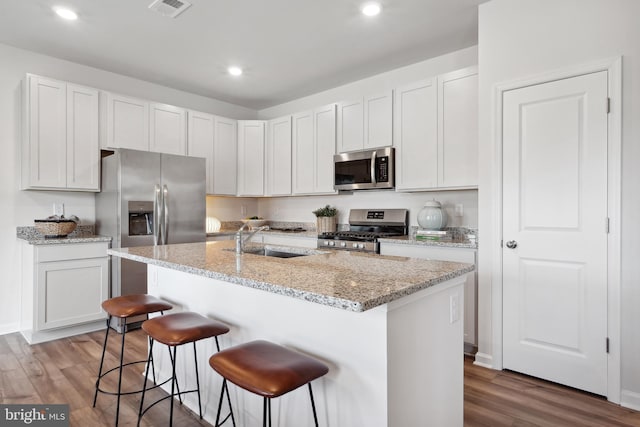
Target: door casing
<point>614,188</point>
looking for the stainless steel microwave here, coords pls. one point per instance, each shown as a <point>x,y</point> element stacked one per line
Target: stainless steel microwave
<point>364,170</point>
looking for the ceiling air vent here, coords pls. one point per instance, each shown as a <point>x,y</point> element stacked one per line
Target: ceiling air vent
<point>170,8</point>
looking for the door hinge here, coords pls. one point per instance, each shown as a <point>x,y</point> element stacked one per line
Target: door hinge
<point>607,226</point>
<point>607,344</point>
<point>608,105</point>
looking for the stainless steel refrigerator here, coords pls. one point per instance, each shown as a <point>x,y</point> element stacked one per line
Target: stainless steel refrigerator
<point>148,199</point>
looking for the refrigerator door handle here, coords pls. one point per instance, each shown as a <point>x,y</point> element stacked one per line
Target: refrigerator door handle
<point>156,215</point>
<point>165,215</point>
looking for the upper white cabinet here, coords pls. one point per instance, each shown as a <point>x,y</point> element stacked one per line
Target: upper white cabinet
<point>278,157</point>
<point>126,121</point>
<point>201,129</point>
<point>251,150</point>
<point>167,129</point>
<point>416,136</point>
<point>314,145</point>
<point>61,136</point>
<point>436,132</point>
<point>458,128</point>
<point>225,156</point>
<point>365,123</point>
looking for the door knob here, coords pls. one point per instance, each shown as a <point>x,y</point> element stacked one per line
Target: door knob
<point>512,244</point>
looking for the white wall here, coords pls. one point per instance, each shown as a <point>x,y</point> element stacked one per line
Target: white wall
<point>521,38</point>
<point>20,208</point>
<point>299,209</point>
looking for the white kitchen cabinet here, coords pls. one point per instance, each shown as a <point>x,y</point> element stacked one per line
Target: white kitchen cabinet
<point>225,156</point>
<point>167,129</point>
<point>324,136</point>
<point>63,288</point>
<point>127,122</point>
<point>200,141</point>
<point>447,254</point>
<point>436,132</point>
<point>251,151</point>
<point>61,136</point>
<point>303,153</point>
<point>416,136</point>
<point>365,123</point>
<point>278,157</point>
<point>458,128</point>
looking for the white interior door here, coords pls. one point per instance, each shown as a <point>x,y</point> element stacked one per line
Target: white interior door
<point>555,231</point>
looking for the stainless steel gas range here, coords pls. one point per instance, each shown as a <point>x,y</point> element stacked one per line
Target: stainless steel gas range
<point>366,226</point>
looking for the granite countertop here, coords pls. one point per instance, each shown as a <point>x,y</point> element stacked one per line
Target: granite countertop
<point>411,240</point>
<point>347,280</point>
<point>306,233</point>
<point>82,234</point>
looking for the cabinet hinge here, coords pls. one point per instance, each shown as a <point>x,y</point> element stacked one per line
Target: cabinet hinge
<point>607,344</point>
<point>501,243</point>
<point>608,105</point>
<point>606,226</point>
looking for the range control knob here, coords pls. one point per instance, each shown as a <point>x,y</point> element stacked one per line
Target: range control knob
<point>326,243</point>
<point>343,244</point>
<point>354,245</point>
<point>361,246</point>
<point>332,244</point>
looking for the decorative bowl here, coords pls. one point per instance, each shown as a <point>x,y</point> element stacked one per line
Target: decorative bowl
<point>254,223</point>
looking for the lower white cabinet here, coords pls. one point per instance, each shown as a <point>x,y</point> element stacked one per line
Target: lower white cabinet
<point>63,288</point>
<point>447,254</point>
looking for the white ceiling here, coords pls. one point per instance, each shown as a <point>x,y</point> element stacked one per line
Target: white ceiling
<point>288,48</point>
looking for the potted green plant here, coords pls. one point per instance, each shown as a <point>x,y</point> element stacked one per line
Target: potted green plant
<point>326,219</point>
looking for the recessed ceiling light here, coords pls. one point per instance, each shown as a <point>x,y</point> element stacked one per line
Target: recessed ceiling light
<point>234,71</point>
<point>371,9</point>
<point>66,13</point>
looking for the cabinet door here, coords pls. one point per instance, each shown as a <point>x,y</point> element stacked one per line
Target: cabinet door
<point>167,129</point>
<point>458,128</point>
<point>350,126</point>
<point>83,146</point>
<point>127,122</point>
<point>378,120</point>
<point>279,157</point>
<point>200,141</point>
<point>250,158</point>
<point>45,153</point>
<point>325,148</point>
<point>416,136</point>
<point>303,153</point>
<point>225,156</point>
<point>71,292</point>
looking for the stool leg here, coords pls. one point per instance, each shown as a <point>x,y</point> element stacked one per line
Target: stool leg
<point>146,375</point>
<point>224,389</point>
<point>195,360</point>
<point>313,405</point>
<point>264,412</point>
<point>104,348</point>
<point>124,332</point>
<point>224,383</point>
<point>177,385</point>
<point>269,410</point>
<point>173,383</point>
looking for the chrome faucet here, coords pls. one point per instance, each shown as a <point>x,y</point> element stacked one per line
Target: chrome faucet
<point>240,241</point>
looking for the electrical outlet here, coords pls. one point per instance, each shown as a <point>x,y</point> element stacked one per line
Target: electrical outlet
<point>454,308</point>
<point>58,209</point>
<point>243,211</point>
<point>459,209</point>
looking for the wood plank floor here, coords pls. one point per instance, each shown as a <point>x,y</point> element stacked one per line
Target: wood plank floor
<point>63,371</point>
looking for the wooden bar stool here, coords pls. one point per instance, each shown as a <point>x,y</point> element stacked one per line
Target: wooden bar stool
<point>174,330</point>
<point>122,308</point>
<point>266,369</point>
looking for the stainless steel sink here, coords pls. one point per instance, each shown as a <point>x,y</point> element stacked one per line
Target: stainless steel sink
<point>274,253</point>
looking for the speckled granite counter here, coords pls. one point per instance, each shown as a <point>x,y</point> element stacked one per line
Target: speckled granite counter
<point>411,240</point>
<point>347,280</point>
<point>82,234</point>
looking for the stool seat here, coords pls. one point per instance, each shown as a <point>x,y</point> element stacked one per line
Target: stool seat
<point>133,305</point>
<point>181,328</point>
<point>266,369</point>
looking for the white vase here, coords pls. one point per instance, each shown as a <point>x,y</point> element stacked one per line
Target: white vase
<point>432,216</point>
<point>326,224</point>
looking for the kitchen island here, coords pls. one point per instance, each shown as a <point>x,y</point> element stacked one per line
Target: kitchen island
<point>389,328</point>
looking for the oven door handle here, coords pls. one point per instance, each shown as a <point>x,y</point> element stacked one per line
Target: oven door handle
<point>373,168</point>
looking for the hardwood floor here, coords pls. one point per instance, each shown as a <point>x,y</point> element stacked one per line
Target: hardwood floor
<point>64,371</point>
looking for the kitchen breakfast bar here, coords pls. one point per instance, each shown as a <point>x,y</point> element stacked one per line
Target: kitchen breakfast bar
<point>390,329</point>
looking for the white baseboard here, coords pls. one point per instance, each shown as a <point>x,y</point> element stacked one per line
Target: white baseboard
<point>9,328</point>
<point>55,334</point>
<point>484,360</point>
<point>630,399</point>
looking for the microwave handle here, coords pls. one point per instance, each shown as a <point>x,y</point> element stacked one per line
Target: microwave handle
<point>373,168</point>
